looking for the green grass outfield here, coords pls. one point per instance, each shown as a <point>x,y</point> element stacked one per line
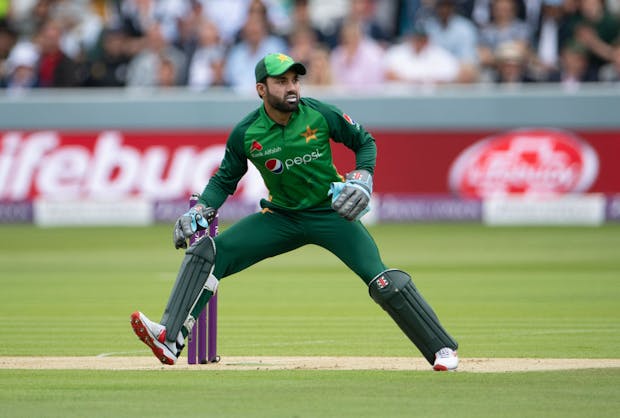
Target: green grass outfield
<point>502,292</point>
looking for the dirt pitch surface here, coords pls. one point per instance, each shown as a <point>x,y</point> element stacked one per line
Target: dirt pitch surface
<point>475,365</point>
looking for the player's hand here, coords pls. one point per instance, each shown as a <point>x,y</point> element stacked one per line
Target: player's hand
<point>351,199</point>
<point>195,219</point>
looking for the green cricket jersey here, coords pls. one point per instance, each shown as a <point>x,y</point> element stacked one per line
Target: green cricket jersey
<point>295,160</point>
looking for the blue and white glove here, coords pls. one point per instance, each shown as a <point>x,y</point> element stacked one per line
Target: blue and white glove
<point>195,219</point>
<point>351,199</point>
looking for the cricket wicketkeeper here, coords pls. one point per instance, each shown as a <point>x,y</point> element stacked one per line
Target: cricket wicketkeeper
<point>288,140</point>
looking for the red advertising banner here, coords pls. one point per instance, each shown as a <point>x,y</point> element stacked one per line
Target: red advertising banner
<point>484,163</point>
<point>106,165</point>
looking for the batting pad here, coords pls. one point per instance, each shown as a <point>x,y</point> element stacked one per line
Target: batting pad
<point>193,276</point>
<point>395,292</point>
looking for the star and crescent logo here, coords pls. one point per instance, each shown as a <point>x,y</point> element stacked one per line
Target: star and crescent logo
<point>284,58</point>
<point>309,134</point>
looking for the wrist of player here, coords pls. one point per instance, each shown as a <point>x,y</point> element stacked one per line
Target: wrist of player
<point>362,178</point>
<point>351,199</point>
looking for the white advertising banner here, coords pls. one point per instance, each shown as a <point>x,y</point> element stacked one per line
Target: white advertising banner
<point>125,212</point>
<point>587,210</point>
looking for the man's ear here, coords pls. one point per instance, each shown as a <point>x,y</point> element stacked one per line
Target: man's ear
<point>260,89</point>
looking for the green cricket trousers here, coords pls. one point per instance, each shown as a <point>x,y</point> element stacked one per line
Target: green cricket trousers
<point>270,232</point>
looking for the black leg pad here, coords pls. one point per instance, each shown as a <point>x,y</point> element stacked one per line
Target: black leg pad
<point>193,274</point>
<point>395,292</point>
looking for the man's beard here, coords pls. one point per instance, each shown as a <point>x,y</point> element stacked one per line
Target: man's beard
<point>281,104</point>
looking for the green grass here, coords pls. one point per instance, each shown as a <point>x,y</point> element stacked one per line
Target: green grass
<point>308,394</point>
<point>502,292</point>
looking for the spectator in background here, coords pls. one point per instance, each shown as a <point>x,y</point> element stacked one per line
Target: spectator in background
<point>547,39</point>
<point>256,42</point>
<point>480,11</point>
<point>143,68</point>
<point>55,68</point>
<point>81,27</point>
<point>504,27</point>
<point>362,11</point>
<point>574,67</point>
<point>8,39</point>
<point>611,72</point>
<point>319,71</point>
<point>302,43</point>
<point>409,13</point>
<point>206,68</point>
<point>228,15</point>
<point>301,21</point>
<point>256,9</point>
<point>231,15</point>
<point>21,67</point>
<point>511,62</point>
<point>596,29</point>
<point>458,35</point>
<point>325,15</point>
<point>188,28</point>
<point>418,60</point>
<point>28,16</point>
<point>107,66</point>
<point>276,18</point>
<point>358,59</point>
<point>138,16</point>
<point>386,15</point>
<point>166,73</point>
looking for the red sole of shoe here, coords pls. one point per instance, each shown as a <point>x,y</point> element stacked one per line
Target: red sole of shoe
<point>140,330</point>
<point>440,368</point>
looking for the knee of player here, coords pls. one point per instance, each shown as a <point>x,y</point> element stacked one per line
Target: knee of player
<point>203,248</point>
<point>388,283</point>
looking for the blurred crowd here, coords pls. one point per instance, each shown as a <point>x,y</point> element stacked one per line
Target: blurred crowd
<point>345,43</point>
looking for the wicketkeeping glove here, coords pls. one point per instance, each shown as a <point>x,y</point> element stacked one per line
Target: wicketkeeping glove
<point>351,199</point>
<point>196,219</point>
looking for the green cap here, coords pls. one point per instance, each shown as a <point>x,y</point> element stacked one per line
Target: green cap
<point>273,65</point>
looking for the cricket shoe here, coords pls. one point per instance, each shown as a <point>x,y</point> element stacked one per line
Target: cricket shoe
<point>154,335</point>
<point>446,359</point>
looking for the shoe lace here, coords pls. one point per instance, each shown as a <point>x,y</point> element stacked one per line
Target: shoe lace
<point>445,353</point>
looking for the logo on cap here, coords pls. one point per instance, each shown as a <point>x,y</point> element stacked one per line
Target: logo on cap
<point>284,58</point>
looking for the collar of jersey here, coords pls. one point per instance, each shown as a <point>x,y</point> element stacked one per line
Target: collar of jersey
<point>270,122</point>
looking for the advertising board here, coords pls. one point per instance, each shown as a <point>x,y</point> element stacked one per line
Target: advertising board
<point>425,174</point>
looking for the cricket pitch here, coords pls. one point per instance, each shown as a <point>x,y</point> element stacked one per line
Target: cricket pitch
<point>472,365</point>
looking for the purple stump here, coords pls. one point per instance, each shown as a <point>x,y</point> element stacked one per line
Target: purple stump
<point>202,336</point>
<point>202,341</point>
<point>212,308</point>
